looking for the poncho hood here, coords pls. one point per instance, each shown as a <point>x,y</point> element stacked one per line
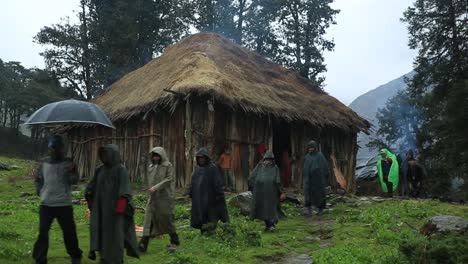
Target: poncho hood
<point>112,154</point>
<point>393,176</point>
<point>162,153</point>
<point>269,155</point>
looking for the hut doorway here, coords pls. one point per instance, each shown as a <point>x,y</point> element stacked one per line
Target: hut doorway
<point>282,151</point>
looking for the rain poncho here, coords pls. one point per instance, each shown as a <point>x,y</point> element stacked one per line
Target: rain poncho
<point>393,173</point>
<point>206,191</point>
<point>315,174</point>
<point>111,232</point>
<point>159,213</point>
<point>265,183</point>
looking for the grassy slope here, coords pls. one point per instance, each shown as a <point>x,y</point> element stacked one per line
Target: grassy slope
<point>367,234</point>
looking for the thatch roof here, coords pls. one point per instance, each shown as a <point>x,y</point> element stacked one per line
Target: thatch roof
<point>208,64</point>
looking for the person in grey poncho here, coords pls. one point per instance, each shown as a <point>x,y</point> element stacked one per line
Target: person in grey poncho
<point>265,183</point>
<point>109,197</point>
<point>160,210</point>
<point>315,174</point>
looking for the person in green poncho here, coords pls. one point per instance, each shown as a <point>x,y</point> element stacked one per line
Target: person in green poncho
<point>109,197</point>
<point>315,175</point>
<point>387,169</point>
<point>265,183</point>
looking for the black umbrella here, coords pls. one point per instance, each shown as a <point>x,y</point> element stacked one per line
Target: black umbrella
<point>69,112</point>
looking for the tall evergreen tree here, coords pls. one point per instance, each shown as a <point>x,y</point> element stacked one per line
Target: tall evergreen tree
<point>261,34</point>
<point>111,39</point>
<point>399,125</point>
<point>303,25</point>
<point>69,53</point>
<point>438,29</point>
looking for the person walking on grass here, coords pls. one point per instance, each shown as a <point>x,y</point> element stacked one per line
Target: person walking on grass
<point>265,183</point>
<point>109,197</point>
<point>206,192</point>
<point>387,170</point>
<point>224,163</point>
<point>160,209</point>
<point>53,180</point>
<point>315,175</point>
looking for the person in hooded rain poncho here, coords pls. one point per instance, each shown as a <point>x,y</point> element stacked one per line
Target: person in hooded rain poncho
<point>206,192</point>
<point>315,175</point>
<point>160,210</point>
<point>265,183</point>
<point>109,197</point>
<point>387,170</point>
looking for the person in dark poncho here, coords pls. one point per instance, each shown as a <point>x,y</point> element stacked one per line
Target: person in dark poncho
<point>109,197</point>
<point>315,175</point>
<point>206,192</point>
<point>415,173</point>
<point>265,184</point>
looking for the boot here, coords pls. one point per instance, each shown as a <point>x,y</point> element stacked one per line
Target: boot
<point>143,245</point>
<point>92,255</point>
<point>307,211</point>
<point>174,239</point>
<point>75,261</point>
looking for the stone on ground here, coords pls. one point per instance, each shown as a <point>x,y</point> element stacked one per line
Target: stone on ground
<point>445,223</point>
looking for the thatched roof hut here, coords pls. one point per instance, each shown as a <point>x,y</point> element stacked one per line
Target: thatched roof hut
<point>206,90</point>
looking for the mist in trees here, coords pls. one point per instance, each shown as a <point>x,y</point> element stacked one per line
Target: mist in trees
<point>112,38</point>
<point>437,95</point>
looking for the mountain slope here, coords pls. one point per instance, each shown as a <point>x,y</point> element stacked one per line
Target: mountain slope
<point>367,106</point>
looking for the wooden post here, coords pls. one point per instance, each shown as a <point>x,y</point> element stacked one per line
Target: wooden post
<point>188,140</point>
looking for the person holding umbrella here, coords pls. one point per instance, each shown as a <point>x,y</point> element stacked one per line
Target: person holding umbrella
<point>53,180</point>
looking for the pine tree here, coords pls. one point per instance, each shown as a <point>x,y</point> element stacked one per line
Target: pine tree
<point>303,25</point>
<point>438,29</point>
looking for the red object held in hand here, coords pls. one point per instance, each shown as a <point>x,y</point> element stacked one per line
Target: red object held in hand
<point>121,205</point>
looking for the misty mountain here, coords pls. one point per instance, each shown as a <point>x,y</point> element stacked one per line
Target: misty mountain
<point>367,106</point>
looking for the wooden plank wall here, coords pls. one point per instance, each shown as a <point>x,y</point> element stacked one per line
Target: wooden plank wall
<point>214,129</point>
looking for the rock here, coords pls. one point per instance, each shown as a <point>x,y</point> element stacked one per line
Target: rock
<point>76,193</point>
<point>4,166</point>
<point>378,199</point>
<point>243,202</point>
<point>14,167</point>
<point>445,223</point>
<point>341,192</point>
<point>292,198</point>
<point>325,245</point>
<point>364,199</point>
<point>183,227</point>
<point>25,194</point>
<point>328,190</point>
<point>360,203</point>
<point>295,259</point>
<point>312,239</point>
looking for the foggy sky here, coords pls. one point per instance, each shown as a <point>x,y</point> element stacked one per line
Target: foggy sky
<point>371,43</point>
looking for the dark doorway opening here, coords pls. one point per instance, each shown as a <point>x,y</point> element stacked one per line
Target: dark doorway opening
<point>282,151</point>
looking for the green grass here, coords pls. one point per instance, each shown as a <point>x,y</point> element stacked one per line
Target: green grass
<point>376,233</point>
